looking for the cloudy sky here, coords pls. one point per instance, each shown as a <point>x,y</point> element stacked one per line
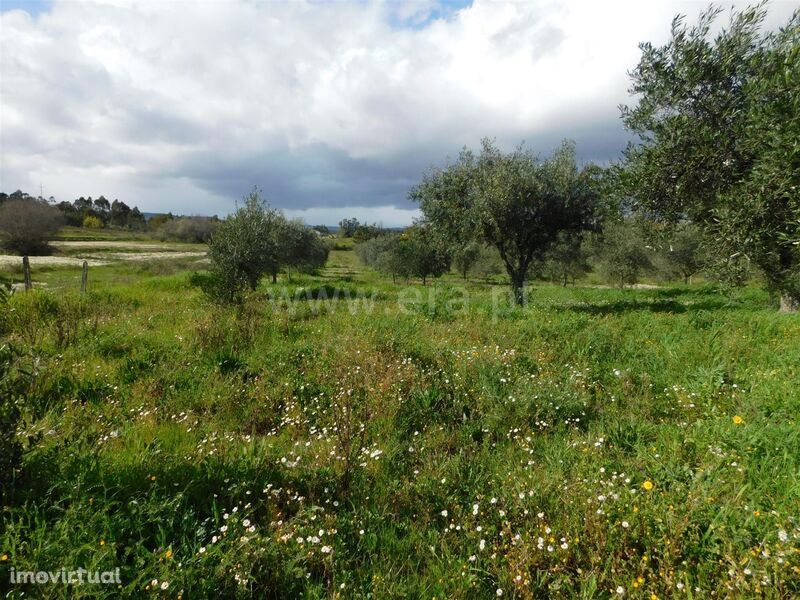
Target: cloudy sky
<point>334,109</point>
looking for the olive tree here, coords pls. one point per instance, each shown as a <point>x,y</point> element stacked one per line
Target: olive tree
<point>622,251</point>
<point>512,201</point>
<point>380,254</point>
<point>465,256</point>
<point>683,251</point>
<point>245,247</point>
<point>717,120</point>
<point>416,252</point>
<point>423,252</point>
<point>567,260</point>
<point>299,248</point>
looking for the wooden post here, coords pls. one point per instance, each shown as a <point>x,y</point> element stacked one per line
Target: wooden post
<point>26,273</point>
<point>84,276</point>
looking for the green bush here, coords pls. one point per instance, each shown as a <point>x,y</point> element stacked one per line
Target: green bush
<point>243,249</point>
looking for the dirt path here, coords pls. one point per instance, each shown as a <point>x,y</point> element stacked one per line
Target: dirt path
<point>51,261</point>
<point>112,244</point>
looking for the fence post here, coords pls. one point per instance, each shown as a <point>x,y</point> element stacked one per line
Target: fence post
<point>84,276</point>
<point>26,273</point>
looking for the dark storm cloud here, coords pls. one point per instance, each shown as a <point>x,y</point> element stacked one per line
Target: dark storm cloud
<point>320,176</point>
<point>183,107</point>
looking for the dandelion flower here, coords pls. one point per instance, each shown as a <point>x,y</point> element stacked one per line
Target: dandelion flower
<point>648,485</point>
<point>737,420</point>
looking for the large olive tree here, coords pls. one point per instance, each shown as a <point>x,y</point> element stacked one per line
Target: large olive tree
<point>718,128</point>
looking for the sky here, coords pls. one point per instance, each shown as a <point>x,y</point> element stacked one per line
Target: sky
<point>333,109</point>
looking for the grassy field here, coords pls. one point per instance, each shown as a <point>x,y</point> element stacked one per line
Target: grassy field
<point>341,436</point>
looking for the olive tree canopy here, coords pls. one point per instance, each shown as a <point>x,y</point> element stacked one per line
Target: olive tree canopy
<point>513,201</point>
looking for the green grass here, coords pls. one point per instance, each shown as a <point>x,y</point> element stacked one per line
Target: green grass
<point>343,433</point>
<point>104,234</point>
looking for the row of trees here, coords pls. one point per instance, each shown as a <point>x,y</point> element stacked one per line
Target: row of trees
<point>716,169</point>
<point>621,252</point>
<point>27,222</point>
<point>85,212</point>
<point>255,241</point>
<point>360,232</point>
<point>416,252</point>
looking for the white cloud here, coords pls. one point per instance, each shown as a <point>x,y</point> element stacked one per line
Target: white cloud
<point>183,106</point>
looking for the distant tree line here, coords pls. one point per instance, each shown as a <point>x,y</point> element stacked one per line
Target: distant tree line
<point>360,232</point>
<point>86,212</point>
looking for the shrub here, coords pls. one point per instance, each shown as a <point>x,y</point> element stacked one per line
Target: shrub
<point>92,222</point>
<point>26,225</point>
<point>189,229</point>
<point>30,315</point>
